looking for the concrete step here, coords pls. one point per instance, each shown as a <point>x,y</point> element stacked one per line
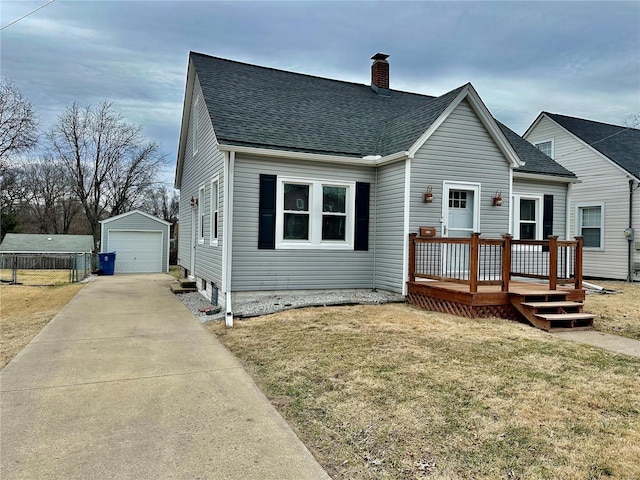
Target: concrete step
<point>187,283</point>
<point>177,288</point>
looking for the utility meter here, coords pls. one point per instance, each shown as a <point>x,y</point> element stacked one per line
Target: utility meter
<point>628,234</point>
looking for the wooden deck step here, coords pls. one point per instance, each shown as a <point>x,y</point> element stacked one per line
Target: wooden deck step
<point>565,316</point>
<point>187,283</point>
<point>559,304</point>
<point>539,293</point>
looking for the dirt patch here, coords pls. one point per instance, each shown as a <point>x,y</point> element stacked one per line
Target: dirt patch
<point>394,392</point>
<point>618,311</point>
<point>24,310</point>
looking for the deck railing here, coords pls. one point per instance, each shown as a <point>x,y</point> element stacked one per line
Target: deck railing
<point>495,261</point>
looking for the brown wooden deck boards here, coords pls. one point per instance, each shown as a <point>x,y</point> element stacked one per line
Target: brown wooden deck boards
<point>489,300</point>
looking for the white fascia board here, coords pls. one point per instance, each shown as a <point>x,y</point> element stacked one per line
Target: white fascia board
<point>315,157</point>
<point>546,178</point>
<point>126,214</point>
<point>184,124</point>
<point>436,124</point>
<point>601,155</point>
<point>492,127</point>
<point>394,157</point>
<point>469,93</point>
<point>533,124</point>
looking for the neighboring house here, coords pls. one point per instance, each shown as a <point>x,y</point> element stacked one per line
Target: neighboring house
<point>21,250</point>
<point>140,240</point>
<point>44,243</point>
<point>294,182</point>
<point>605,205</point>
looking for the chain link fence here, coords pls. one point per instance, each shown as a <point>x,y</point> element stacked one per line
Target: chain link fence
<point>45,268</point>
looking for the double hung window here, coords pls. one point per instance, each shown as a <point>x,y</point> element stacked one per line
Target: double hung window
<point>589,220</point>
<point>545,147</point>
<point>527,217</point>
<point>314,213</point>
<point>213,212</point>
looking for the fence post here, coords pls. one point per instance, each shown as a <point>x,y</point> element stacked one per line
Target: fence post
<point>473,267</point>
<point>412,257</point>
<point>578,262</point>
<point>553,262</point>
<point>506,261</point>
<point>14,269</point>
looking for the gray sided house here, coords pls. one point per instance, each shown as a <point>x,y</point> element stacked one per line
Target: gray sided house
<point>605,204</point>
<point>295,182</point>
<point>140,240</point>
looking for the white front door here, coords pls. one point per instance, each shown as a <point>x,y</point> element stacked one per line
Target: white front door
<point>461,217</point>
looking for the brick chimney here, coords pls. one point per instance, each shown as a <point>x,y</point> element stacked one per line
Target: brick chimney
<point>380,74</point>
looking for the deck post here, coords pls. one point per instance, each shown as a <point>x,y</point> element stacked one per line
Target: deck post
<point>553,262</point>
<point>412,257</point>
<point>473,267</point>
<point>506,261</point>
<point>578,262</point>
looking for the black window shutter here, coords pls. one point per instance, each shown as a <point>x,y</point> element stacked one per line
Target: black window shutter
<point>361,240</point>
<point>547,218</point>
<point>267,212</point>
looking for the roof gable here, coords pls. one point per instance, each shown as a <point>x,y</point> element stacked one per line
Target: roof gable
<point>41,243</point>
<point>135,212</point>
<point>620,144</point>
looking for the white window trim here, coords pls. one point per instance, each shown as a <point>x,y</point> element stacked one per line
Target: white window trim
<point>516,197</point>
<point>201,200</point>
<point>553,146</point>
<point>213,209</point>
<point>315,215</point>
<point>194,124</point>
<point>578,222</point>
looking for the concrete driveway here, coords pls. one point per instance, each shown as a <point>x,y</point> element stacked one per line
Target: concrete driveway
<point>126,383</point>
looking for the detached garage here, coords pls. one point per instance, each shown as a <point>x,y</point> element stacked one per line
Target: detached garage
<point>140,240</point>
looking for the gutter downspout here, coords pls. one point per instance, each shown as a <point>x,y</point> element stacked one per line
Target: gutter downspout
<point>405,229</point>
<point>630,239</point>
<point>567,221</point>
<point>228,250</point>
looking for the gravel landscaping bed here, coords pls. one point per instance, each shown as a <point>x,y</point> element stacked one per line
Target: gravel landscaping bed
<point>260,304</point>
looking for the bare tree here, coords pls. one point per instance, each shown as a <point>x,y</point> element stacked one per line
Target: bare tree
<point>109,161</point>
<point>633,120</point>
<point>18,122</point>
<point>18,133</point>
<point>161,202</point>
<point>52,203</point>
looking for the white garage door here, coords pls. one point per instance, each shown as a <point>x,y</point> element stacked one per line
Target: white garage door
<point>136,252</point>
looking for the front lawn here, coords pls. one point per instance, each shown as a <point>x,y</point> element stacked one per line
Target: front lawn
<point>395,392</point>
<point>24,310</point>
<point>617,313</point>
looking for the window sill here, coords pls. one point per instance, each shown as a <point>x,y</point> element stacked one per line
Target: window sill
<point>214,243</point>
<point>313,246</point>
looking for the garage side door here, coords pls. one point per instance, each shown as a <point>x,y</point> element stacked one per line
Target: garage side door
<point>136,252</point>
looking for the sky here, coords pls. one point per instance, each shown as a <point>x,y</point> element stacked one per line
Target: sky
<point>578,58</point>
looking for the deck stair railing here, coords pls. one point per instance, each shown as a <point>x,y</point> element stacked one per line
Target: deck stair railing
<point>489,261</point>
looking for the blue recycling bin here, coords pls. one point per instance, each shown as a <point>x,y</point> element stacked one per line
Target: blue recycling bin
<point>107,261</point>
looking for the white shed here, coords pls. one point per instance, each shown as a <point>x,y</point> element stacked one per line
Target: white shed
<point>140,240</point>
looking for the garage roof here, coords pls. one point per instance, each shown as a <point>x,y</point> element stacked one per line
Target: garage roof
<point>43,243</point>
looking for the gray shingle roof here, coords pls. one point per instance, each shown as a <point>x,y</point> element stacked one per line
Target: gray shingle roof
<point>26,242</point>
<point>263,107</point>
<point>535,161</point>
<point>620,144</point>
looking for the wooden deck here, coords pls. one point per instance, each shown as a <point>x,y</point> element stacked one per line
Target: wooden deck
<point>491,301</point>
